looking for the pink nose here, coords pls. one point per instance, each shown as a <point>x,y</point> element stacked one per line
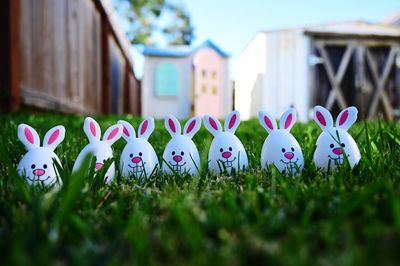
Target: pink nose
<point>177,158</point>
<point>337,151</point>
<point>38,172</point>
<point>289,155</point>
<point>226,154</point>
<point>99,166</point>
<point>136,159</point>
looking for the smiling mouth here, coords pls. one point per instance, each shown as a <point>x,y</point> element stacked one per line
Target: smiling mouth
<point>290,162</point>
<point>291,167</point>
<point>178,167</point>
<point>33,180</point>
<point>137,169</point>
<point>227,163</point>
<point>338,160</point>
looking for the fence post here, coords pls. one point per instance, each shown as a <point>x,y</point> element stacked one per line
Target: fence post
<point>105,65</point>
<point>10,55</point>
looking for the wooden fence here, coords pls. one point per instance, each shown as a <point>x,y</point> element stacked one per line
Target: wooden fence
<point>67,55</point>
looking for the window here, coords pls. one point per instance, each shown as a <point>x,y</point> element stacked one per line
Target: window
<point>203,88</point>
<point>214,75</point>
<point>166,80</point>
<point>214,90</point>
<point>204,73</point>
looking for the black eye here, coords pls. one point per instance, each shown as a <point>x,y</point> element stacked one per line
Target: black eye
<point>221,150</point>
<point>230,148</point>
<point>182,153</point>
<point>283,150</point>
<point>131,155</point>
<point>173,153</point>
<point>45,166</point>
<point>33,166</point>
<point>140,154</point>
<point>343,145</point>
<point>292,149</point>
<point>332,146</point>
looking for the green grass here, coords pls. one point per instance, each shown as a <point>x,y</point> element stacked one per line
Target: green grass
<point>345,218</point>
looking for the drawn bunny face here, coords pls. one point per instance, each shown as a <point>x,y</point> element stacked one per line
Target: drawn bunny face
<point>100,149</point>
<point>138,158</point>
<point>37,164</point>
<point>181,153</point>
<point>280,147</point>
<point>226,151</point>
<point>334,141</point>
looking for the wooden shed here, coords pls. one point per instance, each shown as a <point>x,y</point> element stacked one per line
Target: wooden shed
<point>335,65</point>
<point>65,55</point>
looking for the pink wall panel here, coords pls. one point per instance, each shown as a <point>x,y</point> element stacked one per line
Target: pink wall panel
<point>207,83</point>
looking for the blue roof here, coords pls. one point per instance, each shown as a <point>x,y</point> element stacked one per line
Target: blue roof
<point>181,51</point>
<point>167,52</point>
<point>213,46</point>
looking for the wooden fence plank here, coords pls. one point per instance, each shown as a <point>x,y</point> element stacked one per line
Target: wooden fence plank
<point>127,101</point>
<point>59,47</point>
<point>118,62</point>
<point>81,34</point>
<point>41,72</point>
<point>87,29</point>
<point>105,66</point>
<point>14,55</point>
<point>97,60</point>
<point>25,43</point>
<point>72,51</point>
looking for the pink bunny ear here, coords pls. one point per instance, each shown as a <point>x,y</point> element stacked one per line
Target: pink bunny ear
<point>54,137</point>
<point>146,128</point>
<point>267,121</point>
<point>172,125</point>
<point>112,134</point>
<point>212,124</point>
<point>92,129</point>
<point>288,119</point>
<point>323,117</point>
<point>28,136</point>
<point>232,121</point>
<point>347,118</point>
<point>128,132</point>
<point>192,126</point>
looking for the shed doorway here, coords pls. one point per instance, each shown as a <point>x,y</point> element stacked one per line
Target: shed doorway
<point>364,73</point>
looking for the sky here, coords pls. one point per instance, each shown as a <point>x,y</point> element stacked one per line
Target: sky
<point>232,24</point>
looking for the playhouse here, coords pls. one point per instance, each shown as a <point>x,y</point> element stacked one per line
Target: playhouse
<point>334,65</point>
<point>183,81</point>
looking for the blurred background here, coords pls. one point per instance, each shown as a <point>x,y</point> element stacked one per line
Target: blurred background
<point>155,57</point>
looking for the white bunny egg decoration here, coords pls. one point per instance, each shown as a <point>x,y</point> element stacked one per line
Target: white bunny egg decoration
<point>227,151</point>
<point>138,158</point>
<point>37,164</point>
<point>181,153</point>
<point>333,141</point>
<point>100,149</point>
<point>280,147</point>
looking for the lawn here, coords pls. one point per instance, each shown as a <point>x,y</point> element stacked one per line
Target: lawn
<point>257,217</point>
